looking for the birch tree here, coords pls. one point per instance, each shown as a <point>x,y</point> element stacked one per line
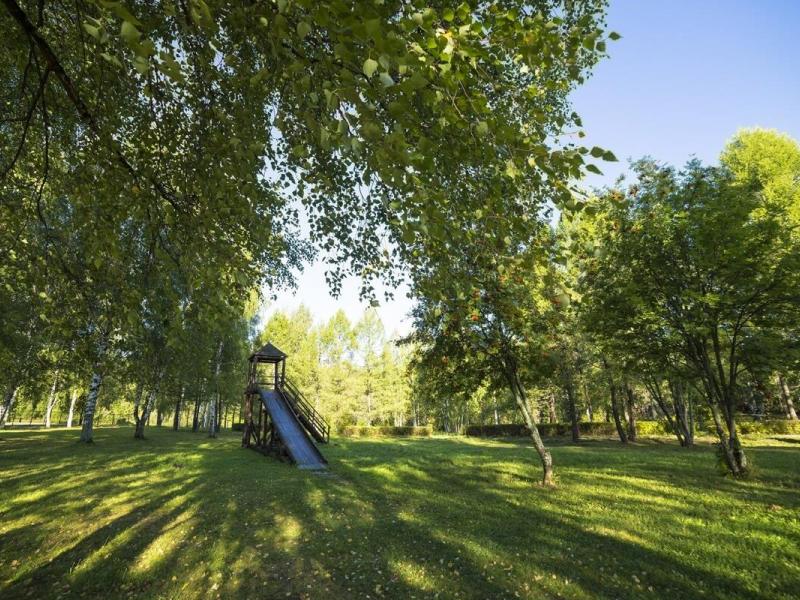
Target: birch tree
<point>51,401</point>
<point>73,397</point>
<point>214,402</point>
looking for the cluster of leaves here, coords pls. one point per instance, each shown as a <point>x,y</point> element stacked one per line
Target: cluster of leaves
<point>153,154</point>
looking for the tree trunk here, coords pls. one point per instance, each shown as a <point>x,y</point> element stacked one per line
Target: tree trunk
<point>734,442</point>
<point>87,430</point>
<point>212,419</point>
<point>656,396</point>
<point>204,411</point>
<point>631,404</point>
<point>196,416</point>
<point>148,407</point>
<point>137,401</point>
<point>721,392</point>
<point>787,399</point>
<point>51,401</point>
<point>689,413</point>
<point>159,417</point>
<point>551,406</point>
<point>589,407</point>
<point>684,418</point>
<point>213,405</point>
<point>8,402</point>
<point>727,453</point>
<point>176,419</point>
<point>653,410</point>
<point>73,397</point>
<point>623,436</point>
<point>518,391</point>
<point>89,407</point>
<point>729,445</point>
<point>569,388</point>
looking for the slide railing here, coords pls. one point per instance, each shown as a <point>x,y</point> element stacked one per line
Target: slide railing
<point>315,422</point>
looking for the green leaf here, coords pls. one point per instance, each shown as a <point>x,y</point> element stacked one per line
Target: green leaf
<point>415,82</point>
<point>448,14</point>
<point>141,64</point>
<point>593,169</point>
<point>482,128</point>
<point>511,169</point>
<point>614,36</point>
<point>386,80</point>
<point>92,30</point>
<point>369,67</point>
<point>609,156</point>
<point>146,49</point>
<point>373,27</point>
<point>112,59</point>
<point>597,152</point>
<point>303,29</point>
<point>129,33</point>
<point>118,9</point>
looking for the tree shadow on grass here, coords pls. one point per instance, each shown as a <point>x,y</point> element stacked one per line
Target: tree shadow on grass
<point>400,519</point>
<point>562,534</point>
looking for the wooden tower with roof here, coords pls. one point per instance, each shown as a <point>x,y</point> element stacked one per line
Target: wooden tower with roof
<point>277,416</point>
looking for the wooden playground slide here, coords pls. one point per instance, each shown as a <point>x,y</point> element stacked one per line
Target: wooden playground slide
<point>299,444</point>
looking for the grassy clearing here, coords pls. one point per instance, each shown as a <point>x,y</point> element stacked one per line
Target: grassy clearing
<point>181,516</point>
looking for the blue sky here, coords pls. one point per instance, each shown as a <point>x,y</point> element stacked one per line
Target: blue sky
<point>685,76</point>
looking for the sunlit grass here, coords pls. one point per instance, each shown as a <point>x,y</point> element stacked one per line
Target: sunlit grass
<point>182,516</point>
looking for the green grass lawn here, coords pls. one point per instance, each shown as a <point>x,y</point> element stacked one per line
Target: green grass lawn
<point>182,516</point>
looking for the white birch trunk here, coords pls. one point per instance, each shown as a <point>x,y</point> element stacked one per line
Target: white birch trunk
<point>137,401</point>
<point>87,431</point>
<point>204,414</point>
<point>176,419</point>
<point>791,414</point>
<point>212,419</point>
<point>51,402</point>
<point>72,399</point>
<point>8,402</point>
<point>148,407</point>
<point>212,422</point>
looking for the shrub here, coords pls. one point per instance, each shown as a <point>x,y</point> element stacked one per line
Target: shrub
<point>643,428</point>
<point>504,430</point>
<point>653,428</point>
<point>385,431</point>
<point>595,428</point>
<point>768,427</point>
<point>237,427</point>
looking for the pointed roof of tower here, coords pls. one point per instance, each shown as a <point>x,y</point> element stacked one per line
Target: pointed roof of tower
<point>268,353</point>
